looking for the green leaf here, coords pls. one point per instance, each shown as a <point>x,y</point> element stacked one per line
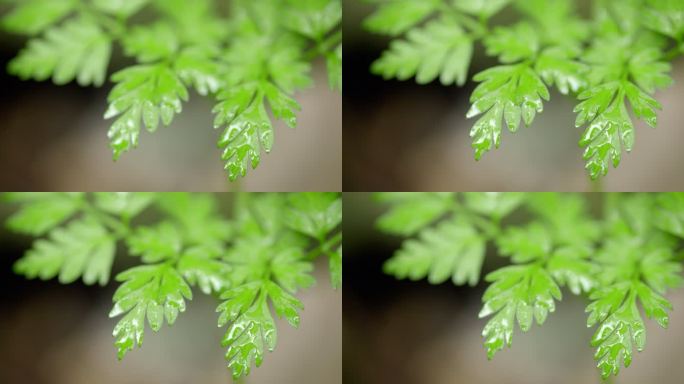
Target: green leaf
<point>525,244</point>
<point>197,24</point>
<point>570,266</point>
<point>512,44</point>
<point>251,326</point>
<point>144,93</point>
<point>197,67</point>
<point>154,244</point>
<point>156,291</point>
<point>557,66</point>
<point>313,18</point>
<point>34,16</point>
<point>558,22</point>
<point>453,249</point>
<point>670,213</point>
<point>126,204</point>
<point>78,49</point>
<point>411,212</point>
<point>123,8</point>
<point>198,217</point>
<point>620,325</point>
<point>440,49</point>
<point>201,267</point>
<point>482,8</point>
<point>397,16</point>
<point>290,271</point>
<point>507,92</point>
<point>248,128</point>
<point>494,204</point>
<point>609,130</point>
<point>521,292</point>
<point>150,43</point>
<point>285,305</point>
<point>649,71</point>
<point>83,248</point>
<point>314,213</point>
<point>568,220</point>
<point>664,16</point>
<point>44,211</point>
<point>659,271</point>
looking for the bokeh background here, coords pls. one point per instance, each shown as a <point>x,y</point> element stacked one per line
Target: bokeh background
<point>60,334</point>
<point>405,136</point>
<point>54,138</point>
<point>400,331</point>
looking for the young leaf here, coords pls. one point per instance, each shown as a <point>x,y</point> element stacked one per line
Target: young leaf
<point>525,244</point>
<point>521,292</point>
<point>670,216</point>
<point>197,216</point>
<point>156,291</point>
<point>397,16</point>
<point>440,49</point>
<point>513,44</point>
<point>412,211</point>
<point>314,213</point>
<point>122,8</point>
<point>155,244</point>
<point>494,204</point>
<point>197,67</point>
<point>44,211</point>
<point>507,92</point>
<point>151,43</point>
<point>83,248</point>
<point>201,266</point>
<point>34,16</point>
<point>251,327</point>
<point>558,66</point>
<point>126,204</point>
<point>620,325</point>
<point>143,92</point>
<point>453,249</point>
<point>78,49</point>
<point>482,8</point>
<point>313,18</point>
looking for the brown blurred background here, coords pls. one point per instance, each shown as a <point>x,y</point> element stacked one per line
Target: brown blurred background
<point>404,136</point>
<point>414,333</point>
<point>54,138</point>
<point>60,334</point>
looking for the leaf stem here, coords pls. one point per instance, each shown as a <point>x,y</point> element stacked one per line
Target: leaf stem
<point>323,46</point>
<point>477,28</point>
<point>115,27</point>
<point>121,229</point>
<point>324,246</point>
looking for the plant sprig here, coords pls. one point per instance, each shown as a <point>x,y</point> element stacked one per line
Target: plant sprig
<point>622,261</point>
<point>617,58</point>
<point>258,258</point>
<point>251,61</point>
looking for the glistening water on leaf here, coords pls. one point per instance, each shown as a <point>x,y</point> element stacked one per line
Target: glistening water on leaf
<point>252,60</point>
<point>612,61</point>
<point>621,261</point>
<point>255,260</point>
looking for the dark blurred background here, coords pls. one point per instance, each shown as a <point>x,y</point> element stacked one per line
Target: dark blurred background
<point>54,138</point>
<point>60,334</point>
<point>405,136</point>
<point>414,333</point>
